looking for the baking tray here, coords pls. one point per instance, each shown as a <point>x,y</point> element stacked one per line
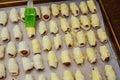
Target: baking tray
<point>86,68</point>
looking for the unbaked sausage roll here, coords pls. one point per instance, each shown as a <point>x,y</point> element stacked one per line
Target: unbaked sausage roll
<point>46,43</point>
<point>110,73</point>
<point>37,12</point>
<point>13,67</point>
<point>91,38</point>
<point>42,28</point>
<point>55,8</point>
<point>2,70</point>
<point>102,35</point>
<point>23,48</point>
<point>74,9</point>
<point>3,18</point>
<point>92,6</point>
<point>75,24</point>
<point>27,64</point>
<point>64,25</point>
<point>53,27</point>
<point>95,75</point>
<point>5,34</point>
<point>78,56</point>
<point>68,40</point>
<point>91,55</point>
<point>42,77</point>
<point>81,38</point>
<point>67,75</point>
<point>52,59</point>
<point>11,49</point>
<point>14,15</point>
<point>57,41</point>
<point>64,10</point>
<point>85,22</point>
<point>83,7</point>
<point>38,62</point>
<point>105,54</point>
<point>45,11</point>
<point>22,16</point>
<point>65,57</point>
<point>79,75</point>
<point>54,76</point>
<point>17,33</point>
<point>36,46</point>
<point>95,22</point>
<point>29,77</point>
<point>2,51</point>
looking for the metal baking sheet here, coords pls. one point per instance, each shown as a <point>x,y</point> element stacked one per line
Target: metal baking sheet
<point>86,68</point>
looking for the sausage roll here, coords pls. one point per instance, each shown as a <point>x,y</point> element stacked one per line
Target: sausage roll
<point>68,40</point>
<point>102,35</point>
<point>42,28</point>
<point>95,22</point>
<point>3,18</point>
<point>2,51</point>
<point>83,7</point>
<point>110,73</point>
<point>79,75</point>
<point>55,10</point>
<point>13,67</point>
<point>45,11</point>
<point>105,54</point>
<point>41,77</point>
<point>54,76</point>
<point>47,44</point>
<point>81,38</point>
<point>22,16</point>
<point>78,56</point>
<point>85,22</point>
<point>27,64</point>
<point>64,10</point>
<point>23,48</point>
<point>91,38</point>
<point>38,62</point>
<point>37,12</point>
<point>65,57</point>
<point>36,46</point>
<point>53,27</point>
<point>11,49</point>
<point>95,75</point>
<point>52,59</point>
<point>75,24</point>
<point>91,55</point>
<point>57,41</point>
<point>64,25</point>
<point>67,75</point>
<point>5,34</point>
<point>17,33</point>
<point>92,6</point>
<point>2,70</point>
<point>14,15</point>
<point>74,9</point>
<point>29,77</point>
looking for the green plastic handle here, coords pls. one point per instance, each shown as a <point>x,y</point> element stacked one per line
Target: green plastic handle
<point>30,17</point>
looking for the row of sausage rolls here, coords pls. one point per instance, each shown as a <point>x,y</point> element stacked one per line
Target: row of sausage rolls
<point>23,50</point>
<point>68,75</point>
<point>90,36</point>
<point>46,13</point>
<point>75,24</point>
<point>53,27</point>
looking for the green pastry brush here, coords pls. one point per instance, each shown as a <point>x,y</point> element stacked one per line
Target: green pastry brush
<point>30,19</point>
